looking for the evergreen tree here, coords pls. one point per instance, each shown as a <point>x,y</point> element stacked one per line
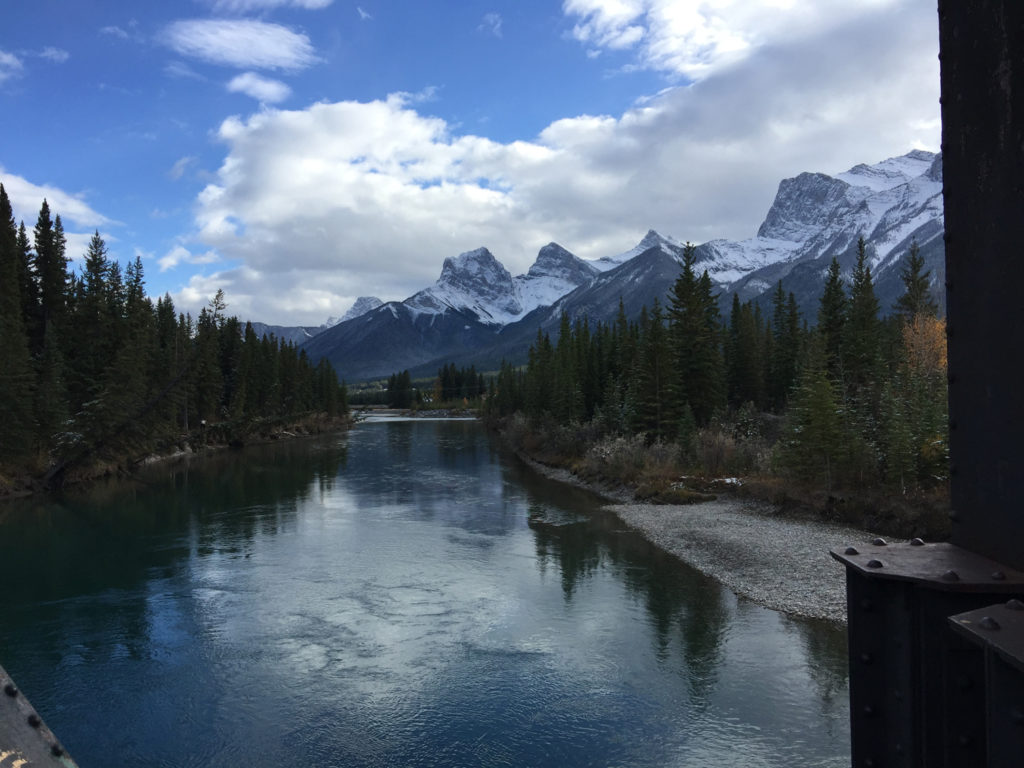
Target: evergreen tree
<point>832,320</point>
<point>16,375</point>
<point>917,297</point>
<point>785,347</point>
<point>862,331</point>
<point>657,412</point>
<point>693,311</point>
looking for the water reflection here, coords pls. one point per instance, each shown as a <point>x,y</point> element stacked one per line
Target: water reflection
<point>405,595</point>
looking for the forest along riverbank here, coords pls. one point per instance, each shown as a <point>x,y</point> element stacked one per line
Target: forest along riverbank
<point>780,562</point>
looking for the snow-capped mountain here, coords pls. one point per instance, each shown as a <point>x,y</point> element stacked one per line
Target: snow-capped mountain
<point>477,312</point>
<point>477,282</point>
<point>361,306</point>
<point>815,217</point>
<point>652,239</point>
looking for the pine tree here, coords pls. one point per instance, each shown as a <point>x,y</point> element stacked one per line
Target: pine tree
<point>862,331</point>
<point>657,411</point>
<point>832,320</point>
<point>16,375</point>
<point>917,297</point>
<point>693,312</point>
<point>785,347</point>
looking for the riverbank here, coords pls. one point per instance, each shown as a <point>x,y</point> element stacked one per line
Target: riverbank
<point>215,437</point>
<point>776,560</point>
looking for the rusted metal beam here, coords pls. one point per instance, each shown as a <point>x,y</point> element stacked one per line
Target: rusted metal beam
<point>25,741</point>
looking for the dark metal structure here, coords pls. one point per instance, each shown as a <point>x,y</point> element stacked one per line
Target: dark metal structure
<point>25,741</point>
<point>936,631</point>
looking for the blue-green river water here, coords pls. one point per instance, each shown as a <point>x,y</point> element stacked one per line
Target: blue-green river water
<point>403,595</point>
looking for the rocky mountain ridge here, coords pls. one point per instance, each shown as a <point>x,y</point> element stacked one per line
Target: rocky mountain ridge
<point>478,312</point>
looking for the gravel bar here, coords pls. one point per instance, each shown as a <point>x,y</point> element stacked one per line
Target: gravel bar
<point>778,561</point>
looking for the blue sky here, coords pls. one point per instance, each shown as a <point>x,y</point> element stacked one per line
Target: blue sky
<point>301,153</point>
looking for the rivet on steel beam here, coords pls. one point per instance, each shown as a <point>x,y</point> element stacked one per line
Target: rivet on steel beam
<point>954,516</point>
<point>898,695</point>
<point>998,576</point>
<point>879,542</point>
<point>875,563</point>
<point>56,750</point>
<point>1017,715</point>
<point>851,551</point>
<point>917,542</point>
<point>898,749</point>
<point>987,622</point>
<point>951,576</point>
<point>964,682</point>
<point>34,720</point>
<point>866,658</point>
<point>869,762</point>
<point>866,604</point>
<point>964,740</point>
<point>11,690</point>
<point>869,710</point>
<point>1015,605</point>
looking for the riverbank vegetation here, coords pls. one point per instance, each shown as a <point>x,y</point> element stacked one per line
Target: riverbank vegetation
<point>846,416</point>
<point>94,375</point>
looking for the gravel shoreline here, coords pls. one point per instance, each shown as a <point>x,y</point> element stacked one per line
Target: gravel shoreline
<point>777,561</point>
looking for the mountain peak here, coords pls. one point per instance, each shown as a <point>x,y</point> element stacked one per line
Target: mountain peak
<point>473,281</point>
<point>361,306</point>
<point>653,239</point>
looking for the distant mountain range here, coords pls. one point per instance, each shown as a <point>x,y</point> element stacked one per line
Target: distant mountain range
<point>478,313</point>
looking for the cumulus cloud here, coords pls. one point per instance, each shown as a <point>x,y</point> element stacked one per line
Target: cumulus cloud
<point>242,43</point>
<point>80,220</point>
<point>26,198</point>
<point>260,88</point>
<point>10,66</point>
<point>179,254</point>
<point>693,39</point>
<point>321,205</point>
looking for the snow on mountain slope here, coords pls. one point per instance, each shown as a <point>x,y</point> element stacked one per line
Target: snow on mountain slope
<point>555,273</point>
<point>361,306</point>
<point>652,239</point>
<point>477,282</point>
<point>815,215</point>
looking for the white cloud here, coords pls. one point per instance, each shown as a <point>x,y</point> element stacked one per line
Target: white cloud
<point>246,6</point>
<point>114,31</point>
<point>242,43</point>
<point>56,55</point>
<point>26,199</point>
<point>79,219</point>
<point>363,15</point>
<point>693,39</point>
<point>260,88</point>
<point>491,24</point>
<point>10,66</point>
<point>321,205</point>
<point>180,166</point>
<point>179,254</point>
<point>182,70</point>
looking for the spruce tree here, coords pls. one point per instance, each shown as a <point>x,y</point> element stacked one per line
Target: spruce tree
<point>832,320</point>
<point>16,375</point>
<point>693,312</point>
<point>917,297</point>
<point>862,331</point>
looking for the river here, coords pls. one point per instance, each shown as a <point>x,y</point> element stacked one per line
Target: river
<point>406,594</point>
